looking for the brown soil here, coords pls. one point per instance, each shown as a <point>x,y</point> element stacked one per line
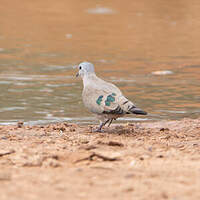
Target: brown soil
<point>159,160</point>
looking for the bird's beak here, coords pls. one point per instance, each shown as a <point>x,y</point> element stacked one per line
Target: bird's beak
<point>77,74</point>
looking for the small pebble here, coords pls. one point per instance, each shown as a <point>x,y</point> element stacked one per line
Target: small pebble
<point>20,124</point>
<point>132,163</point>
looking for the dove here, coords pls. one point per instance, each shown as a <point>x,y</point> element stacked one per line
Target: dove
<point>102,98</point>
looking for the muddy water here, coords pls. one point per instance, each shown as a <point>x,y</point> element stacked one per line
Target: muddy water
<point>151,50</point>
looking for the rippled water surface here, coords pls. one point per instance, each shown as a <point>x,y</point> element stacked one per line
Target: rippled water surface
<point>149,49</point>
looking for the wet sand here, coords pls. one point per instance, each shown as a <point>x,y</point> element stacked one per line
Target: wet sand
<point>154,160</point>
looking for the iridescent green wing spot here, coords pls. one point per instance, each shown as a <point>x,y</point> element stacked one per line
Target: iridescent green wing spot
<point>109,99</point>
<point>107,103</point>
<point>99,100</point>
<point>113,94</point>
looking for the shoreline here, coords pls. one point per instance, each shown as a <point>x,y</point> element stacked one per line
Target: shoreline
<point>147,160</point>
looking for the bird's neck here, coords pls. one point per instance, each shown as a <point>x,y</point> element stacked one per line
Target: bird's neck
<point>89,78</point>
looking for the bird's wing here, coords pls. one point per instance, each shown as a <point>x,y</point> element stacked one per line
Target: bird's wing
<point>104,97</point>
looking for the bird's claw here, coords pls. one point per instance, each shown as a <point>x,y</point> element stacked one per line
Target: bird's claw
<point>98,130</point>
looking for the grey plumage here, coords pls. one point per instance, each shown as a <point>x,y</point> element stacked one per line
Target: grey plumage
<point>103,98</point>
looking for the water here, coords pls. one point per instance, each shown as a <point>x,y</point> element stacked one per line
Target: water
<point>149,49</point>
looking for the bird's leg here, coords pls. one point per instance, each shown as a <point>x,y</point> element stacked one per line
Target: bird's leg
<point>106,122</point>
<point>110,122</point>
<point>101,125</point>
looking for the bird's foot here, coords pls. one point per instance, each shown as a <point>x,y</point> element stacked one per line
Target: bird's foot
<point>98,130</point>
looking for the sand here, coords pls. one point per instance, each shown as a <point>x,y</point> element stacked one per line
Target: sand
<point>153,160</point>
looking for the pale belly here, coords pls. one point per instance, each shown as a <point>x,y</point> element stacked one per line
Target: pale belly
<point>104,117</point>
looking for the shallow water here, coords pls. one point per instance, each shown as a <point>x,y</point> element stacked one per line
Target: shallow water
<point>149,49</point>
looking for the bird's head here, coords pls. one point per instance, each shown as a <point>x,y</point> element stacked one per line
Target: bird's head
<point>85,68</point>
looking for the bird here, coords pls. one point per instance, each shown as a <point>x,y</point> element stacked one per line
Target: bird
<point>102,98</point>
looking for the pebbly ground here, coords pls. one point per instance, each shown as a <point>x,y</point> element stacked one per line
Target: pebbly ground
<point>159,160</point>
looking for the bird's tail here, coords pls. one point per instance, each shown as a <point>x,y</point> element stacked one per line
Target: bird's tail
<point>137,111</point>
<point>130,108</point>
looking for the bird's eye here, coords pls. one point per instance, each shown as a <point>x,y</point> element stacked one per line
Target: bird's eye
<point>80,67</point>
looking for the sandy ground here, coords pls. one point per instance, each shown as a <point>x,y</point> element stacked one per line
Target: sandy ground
<point>159,160</point>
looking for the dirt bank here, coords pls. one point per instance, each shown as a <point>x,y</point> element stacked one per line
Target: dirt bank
<point>159,160</point>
